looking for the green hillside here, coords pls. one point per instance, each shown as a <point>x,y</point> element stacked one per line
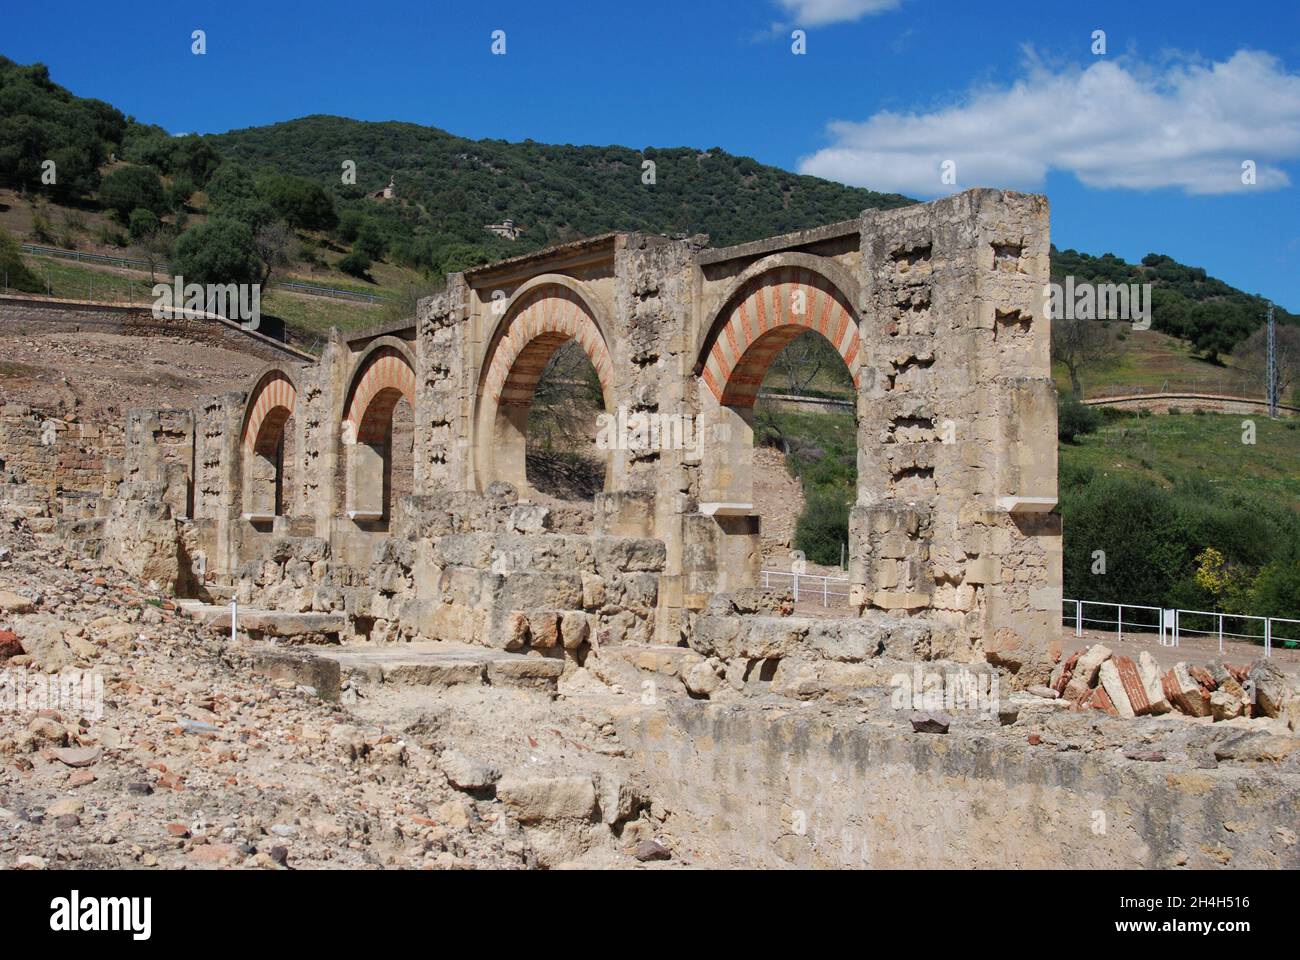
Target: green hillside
<point>453,186</point>
<point>242,205</point>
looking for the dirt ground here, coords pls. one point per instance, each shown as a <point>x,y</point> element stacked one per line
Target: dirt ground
<point>191,757</point>
<point>99,376</point>
<point>1190,649</point>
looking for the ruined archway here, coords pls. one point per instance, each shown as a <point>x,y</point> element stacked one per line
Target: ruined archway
<point>542,317</point>
<point>267,448</point>
<point>383,378</point>
<point>769,307</point>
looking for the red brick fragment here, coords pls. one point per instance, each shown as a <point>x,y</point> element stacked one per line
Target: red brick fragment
<point>1101,701</point>
<point>1133,687</point>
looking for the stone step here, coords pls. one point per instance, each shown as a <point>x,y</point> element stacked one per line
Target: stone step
<point>268,623</point>
<point>444,665</point>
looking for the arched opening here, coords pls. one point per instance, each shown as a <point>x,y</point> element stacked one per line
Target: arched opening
<point>543,388</point>
<point>268,450</point>
<point>563,463</point>
<point>778,397</point>
<point>377,435</point>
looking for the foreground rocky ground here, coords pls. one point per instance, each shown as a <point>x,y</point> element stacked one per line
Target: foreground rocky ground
<point>201,759</point>
<point>198,762</point>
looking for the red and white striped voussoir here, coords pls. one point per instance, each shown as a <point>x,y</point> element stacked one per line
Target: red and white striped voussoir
<point>549,318</point>
<point>275,390</point>
<point>387,374</point>
<point>764,320</point>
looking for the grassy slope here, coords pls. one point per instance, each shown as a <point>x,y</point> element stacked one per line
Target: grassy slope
<point>1148,360</point>
<point>308,317</point>
<point>1165,449</point>
<point>1160,448</point>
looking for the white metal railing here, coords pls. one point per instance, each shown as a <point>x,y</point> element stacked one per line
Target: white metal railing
<point>809,586</point>
<point>1170,627</point>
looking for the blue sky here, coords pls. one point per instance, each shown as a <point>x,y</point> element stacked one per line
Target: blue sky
<point>1139,149</point>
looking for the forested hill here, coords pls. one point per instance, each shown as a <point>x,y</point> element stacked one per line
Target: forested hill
<point>217,201</point>
<point>1186,301</point>
<point>553,192</point>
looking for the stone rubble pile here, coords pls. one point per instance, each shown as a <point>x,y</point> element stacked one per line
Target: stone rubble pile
<point>192,759</point>
<point>1097,678</point>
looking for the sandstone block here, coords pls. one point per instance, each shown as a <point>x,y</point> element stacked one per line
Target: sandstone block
<point>533,800</point>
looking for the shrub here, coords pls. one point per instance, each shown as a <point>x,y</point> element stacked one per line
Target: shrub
<point>1074,418</point>
<point>370,240</point>
<point>218,251</point>
<point>142,223</point>
<point>13,268</point>
<point>823,526</point>
<point>180,191</point>
<point>129,187</point>
<point>357,264</point>
<point>300,202</point>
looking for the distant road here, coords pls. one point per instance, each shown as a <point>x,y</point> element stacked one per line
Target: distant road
<point>1216,402</point>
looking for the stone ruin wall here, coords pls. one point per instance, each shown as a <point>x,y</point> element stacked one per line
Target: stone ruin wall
<point>953,553</point>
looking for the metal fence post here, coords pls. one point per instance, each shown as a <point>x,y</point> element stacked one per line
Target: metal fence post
<point>234,618</point>
<point>1119,621</point>
<point>1078,618</point>
<point>1220,634</point>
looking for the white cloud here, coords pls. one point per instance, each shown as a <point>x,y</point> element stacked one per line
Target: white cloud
<point>1113,125</point>
<point>818,13</point>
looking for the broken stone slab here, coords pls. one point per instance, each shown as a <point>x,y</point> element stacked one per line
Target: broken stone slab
<point>1256,748</point>
<point>648,850</point>
<point>1149,673</point>
<point>530,673</point>
<point>1272,687</point>
<point>1113,686</point>
<point>536,799</point>
<point>435,673</point>
<point>1089,663</point>
<point>931,722</point>
<point>1185,692</point>
<point>465,772</point>
<point>274,623</point>
<point>1226,704</point>
<point>78,756</point>
<point>320,673</point>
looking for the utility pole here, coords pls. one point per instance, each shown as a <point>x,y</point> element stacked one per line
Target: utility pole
<point>1271,369</point>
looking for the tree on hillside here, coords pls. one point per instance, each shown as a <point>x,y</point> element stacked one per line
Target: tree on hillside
<point>12,269</point>
<point>154,248</point>
<point>275,245</point>
<point>40,121</point>
<point>1252,355</point>
<point>301,202</point>
<point>232,182</point>
<point>804,359</point>
<point>1078,344</point>
<point>129,188</point>
<point>218,251</point>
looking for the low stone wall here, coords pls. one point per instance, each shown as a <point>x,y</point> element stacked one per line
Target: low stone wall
<point>27,315</point>
<point>775,788</point>
<point>1215,403</point>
